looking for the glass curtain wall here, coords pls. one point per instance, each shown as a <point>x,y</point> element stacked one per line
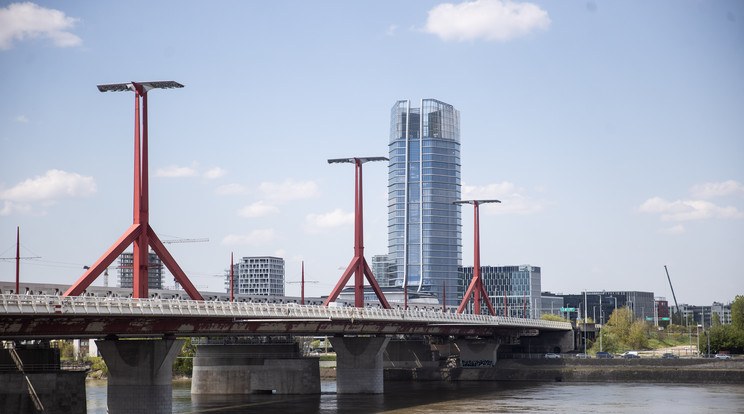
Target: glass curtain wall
<point>514,290</point>
<point>424,227</point>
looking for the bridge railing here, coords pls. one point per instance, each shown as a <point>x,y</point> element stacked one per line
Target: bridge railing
<point>117,306</point>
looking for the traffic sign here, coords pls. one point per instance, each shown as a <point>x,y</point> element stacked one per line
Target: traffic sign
<point>568,309</point>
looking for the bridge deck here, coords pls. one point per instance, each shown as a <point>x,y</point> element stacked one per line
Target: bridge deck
<point>79,316</point>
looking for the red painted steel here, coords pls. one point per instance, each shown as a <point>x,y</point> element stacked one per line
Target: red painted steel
<point>18,260</point>
<point>358,265</point>
<point>476,287</point>
<point>140,234</point>
<point>302,285</point>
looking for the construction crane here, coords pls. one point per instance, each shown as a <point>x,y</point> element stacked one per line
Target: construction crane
<point>202,240</point>
<point>679,312</point>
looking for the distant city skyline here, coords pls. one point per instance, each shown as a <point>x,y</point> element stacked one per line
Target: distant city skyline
<point>611,132</point>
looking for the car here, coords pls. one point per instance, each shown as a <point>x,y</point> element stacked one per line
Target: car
<point>551,355</point>
<point>722,356</point>
<point>631,356</point>
<point>669,355</point>
<point>602,354</point>
<point>583,356</point>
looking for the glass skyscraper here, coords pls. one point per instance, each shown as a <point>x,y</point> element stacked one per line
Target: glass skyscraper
<point>424,227</point>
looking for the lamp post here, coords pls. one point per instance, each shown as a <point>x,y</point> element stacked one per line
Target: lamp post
<point>358,265</point>
<point>476,287</point>
<point>140,234</point>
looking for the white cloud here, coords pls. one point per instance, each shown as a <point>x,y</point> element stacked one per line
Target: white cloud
<point>391,30</point>
<point>20,21</point>
<point>14,208</point>
<point>712,190</point>
<point>318,222</point>
<point>486,19</point>
<point>21,118</point>
<point>513,200</point>
<point>289,190</point>
<point>678,229</point>
<point>214,173</point>
<point>53,185</point>
<point>174,171</point>
<point>232,189</point>
<point>256,238</point>
<point>686,210</point>
<point>257,209</point>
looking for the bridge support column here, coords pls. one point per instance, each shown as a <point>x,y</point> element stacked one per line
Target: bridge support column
<point>477,353</point>
<point>140,374</point>
<point>359,365</point>
<point>253,368</point>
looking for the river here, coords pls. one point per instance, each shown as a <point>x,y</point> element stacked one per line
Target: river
<point>465,397</point>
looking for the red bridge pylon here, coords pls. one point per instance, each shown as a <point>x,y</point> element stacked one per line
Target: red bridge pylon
<point>476,287</point>
<point>358,264</point>
<point>140,233</point>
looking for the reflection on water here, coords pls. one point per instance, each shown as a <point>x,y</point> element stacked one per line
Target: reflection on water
<point>465,397</point>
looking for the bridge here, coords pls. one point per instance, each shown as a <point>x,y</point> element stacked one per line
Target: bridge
<point>359,336</point>
<point>42,316</point>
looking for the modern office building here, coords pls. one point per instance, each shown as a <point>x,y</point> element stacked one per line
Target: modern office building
<point>551,304</point>
<point>154,271</point>
<point>381,270</point>
<point>424,226</point>
<point>259,275</point>
<point>600,305</point>
<point>514,290</point>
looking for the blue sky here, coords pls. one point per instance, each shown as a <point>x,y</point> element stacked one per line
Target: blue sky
<point>613,132</point>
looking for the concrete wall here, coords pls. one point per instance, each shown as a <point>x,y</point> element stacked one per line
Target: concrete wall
<point>410,354</point>
<point>59,392</point>
<point>693,371</point>
<point>252,368</point>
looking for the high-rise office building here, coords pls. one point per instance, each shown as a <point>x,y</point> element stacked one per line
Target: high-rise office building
<point>258,275</point>
<point>154,271</point>
<point>424,226</point>
<point>380,267</point>
<point>513,290</point>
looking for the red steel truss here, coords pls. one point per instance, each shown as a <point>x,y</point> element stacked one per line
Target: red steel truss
<point>358,265</point>
<point>140,233</point>
<point>476,287</point>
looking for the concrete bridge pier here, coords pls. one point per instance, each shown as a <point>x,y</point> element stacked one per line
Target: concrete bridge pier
<point>359,364</point>
<point>477,353</point>
<point>253,368</point>
<point>140,374</point>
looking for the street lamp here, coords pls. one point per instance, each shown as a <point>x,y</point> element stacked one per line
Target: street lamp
<point>140,234</point>
<point>358,265</point>
<point>476,287</point>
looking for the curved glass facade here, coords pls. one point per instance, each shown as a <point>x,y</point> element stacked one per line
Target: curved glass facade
<point>424,226</point>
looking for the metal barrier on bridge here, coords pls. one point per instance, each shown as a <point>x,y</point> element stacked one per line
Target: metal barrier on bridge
<point>115,306</point>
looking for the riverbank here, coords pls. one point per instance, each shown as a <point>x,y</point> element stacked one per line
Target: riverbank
<point>679,371</point>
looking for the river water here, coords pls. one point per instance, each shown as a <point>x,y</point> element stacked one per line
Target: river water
<point>465,397</point>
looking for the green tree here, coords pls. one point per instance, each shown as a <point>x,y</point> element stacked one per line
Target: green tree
<point>551,317</point>
<point>638,335</point>
<point>184,364</point>
<point>737,313</point>
<point>609,343</point>
<point>619,324</point>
